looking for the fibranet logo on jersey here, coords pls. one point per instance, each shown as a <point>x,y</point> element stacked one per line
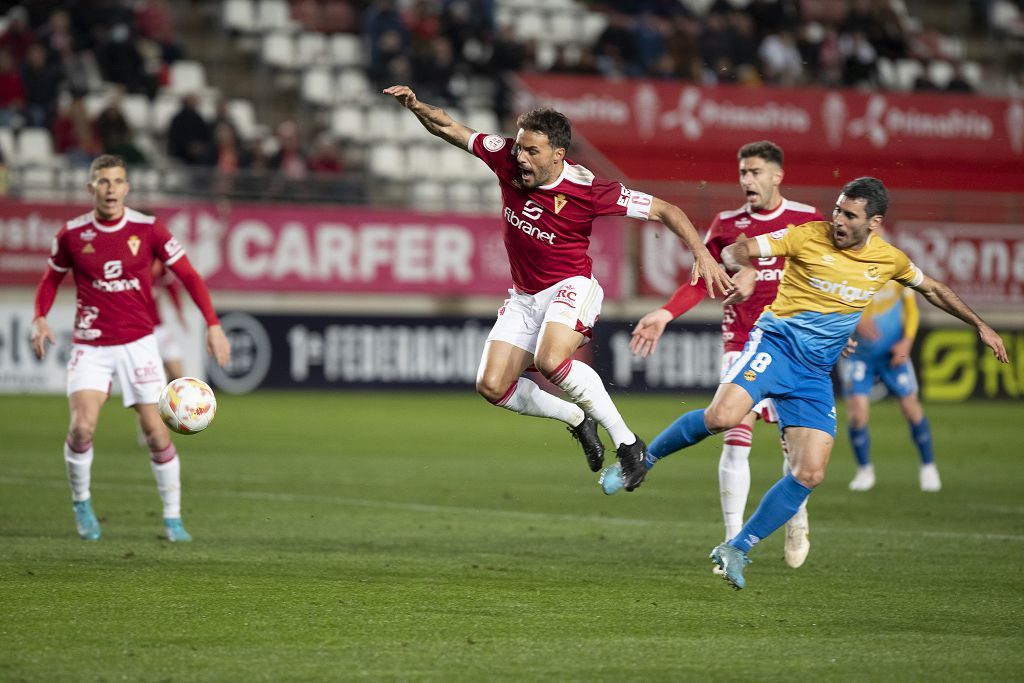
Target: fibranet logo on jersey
<point>527,227</point>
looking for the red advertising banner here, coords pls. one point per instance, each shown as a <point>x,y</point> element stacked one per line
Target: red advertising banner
<point>674,130</point>
<point>984,263</point>
<point>315,249</point>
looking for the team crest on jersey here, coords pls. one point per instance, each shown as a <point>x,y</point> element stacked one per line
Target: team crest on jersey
<point>87,235</point>
<point>828,258</point>
<point>560,202</point>
<point>777,235</point>
<point>872,272</point>
<point>89,249</point>
<point>750,375</point>
<point>492,143</point>
<point>134,243</point>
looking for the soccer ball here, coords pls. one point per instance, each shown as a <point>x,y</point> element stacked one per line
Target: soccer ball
<point>187,405</point>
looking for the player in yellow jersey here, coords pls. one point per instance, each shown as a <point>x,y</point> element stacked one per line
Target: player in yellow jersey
<point>832,272</point>
<point>884,336</point>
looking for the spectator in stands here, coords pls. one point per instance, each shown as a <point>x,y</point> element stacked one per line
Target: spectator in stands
<point>288,160</point>
<point>73,133</point>
<point>229,157</point>
<point>80,72</point>
<point>682,47</point>
<point>153,21</point>
<point>859,58</point>
<point>339,16</point>
<point>116,135</point>
<point>18,36</point>
<point>325,157</point>
<point>391,59</point>
<point>960,82</point>
<point>120,62</point>
<point>615,48</point>
<point>423,20</point>
<point>716,41</point>
<point>57,36</point>
<point>923,82</point>
<point>41,81</point>
<point>781,62</point>
<point>189,137</point>
<point>434,67</point>
<point>382,19</point>
<point>649,37</point>
<point>12,91</point>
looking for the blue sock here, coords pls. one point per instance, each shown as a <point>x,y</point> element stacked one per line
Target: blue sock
<point>860,439</point>
<point>684,432</point>
<point>778,505</point>
<point>921,433</point>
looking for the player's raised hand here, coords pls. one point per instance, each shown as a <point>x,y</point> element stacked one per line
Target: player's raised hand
<point>41,333</point>
<point>217,344</point>
<point>404,94</point>
<point>851,346</point>
<point>743,285</point>
<point>993,341</point>
<point>648,331</point>
<point>706,268</point>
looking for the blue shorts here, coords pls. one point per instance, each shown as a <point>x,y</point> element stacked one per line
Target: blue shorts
<point>860,372</point>
<point>768,368</point>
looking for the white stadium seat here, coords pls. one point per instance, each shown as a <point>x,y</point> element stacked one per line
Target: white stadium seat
<point>311,49</point>
<point>7,145</point>
<point>347,50</point>
<point>353,86</point>
<point>165,106</point>
<point>428,195</point>
<point>317,87</point>
<point>272,15</point>
<point>940,72</point>
<point>34,147</point>
<point>239,15</point>
<point>530,25</point>
<point>387,161</point>
<point>278,50</point>
<point>136,110</point>
<point>187,76</point>
<point>381,122</point>
<point>348,122</point>
<point>243,115</point>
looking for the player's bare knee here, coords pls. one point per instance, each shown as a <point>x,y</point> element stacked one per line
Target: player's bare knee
<point>810,478</point>
<point>719,418</point>
<point>80,433</point>
<point>490,389</point>
<point>548,363</point>
<point>854,421</point>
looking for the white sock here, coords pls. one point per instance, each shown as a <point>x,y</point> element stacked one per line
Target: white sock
<point>584,386</point>
<point>79,466</point>
<point>734,477</point>
<point>167,472</point>
<point>526,398</point>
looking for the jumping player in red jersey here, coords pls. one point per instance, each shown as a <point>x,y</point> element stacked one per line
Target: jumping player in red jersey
<point>550,204</point>
<point>110,252</point>
<point>765,211</point>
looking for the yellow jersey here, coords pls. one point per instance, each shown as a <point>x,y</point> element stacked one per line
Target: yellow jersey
<point>825,289</point>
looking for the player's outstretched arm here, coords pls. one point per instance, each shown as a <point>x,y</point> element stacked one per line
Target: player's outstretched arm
<point>941,296</point>
<point>705,266</point>
<point>434,119</point>
<point>738,258</point>
<point>648,331</point>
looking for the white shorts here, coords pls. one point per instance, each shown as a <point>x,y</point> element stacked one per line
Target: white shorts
<point>766,408</point>
<point>167,342</point>
<point>574,302</point>
<point>138,367</point>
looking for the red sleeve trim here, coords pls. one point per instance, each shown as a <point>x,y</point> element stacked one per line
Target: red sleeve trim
<point>685,298</point>
<point>196,288</point>
<point>46,292</point>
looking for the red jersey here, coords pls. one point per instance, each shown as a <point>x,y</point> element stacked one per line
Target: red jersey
<point>547,229</point>
<point>739,224</point>
<point>113,270</point>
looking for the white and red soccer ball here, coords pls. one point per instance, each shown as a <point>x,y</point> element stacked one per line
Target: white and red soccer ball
<point>187,405</point>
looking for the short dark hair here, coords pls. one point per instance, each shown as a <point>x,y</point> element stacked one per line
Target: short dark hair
<point>765,149</point>
<point>870,189</point>
<point>106,161</point>
<point>552,123</point>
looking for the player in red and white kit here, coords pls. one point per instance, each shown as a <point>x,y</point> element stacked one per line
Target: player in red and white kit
<point>550,204</point>
<point>761,172</point>
<point>110,252</point>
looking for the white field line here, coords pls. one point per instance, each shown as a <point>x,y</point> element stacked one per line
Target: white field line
<point>462,511</point>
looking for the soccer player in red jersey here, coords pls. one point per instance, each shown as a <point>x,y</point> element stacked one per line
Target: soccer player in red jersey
<point>550,204</point>
<point>765,211</point>
<point>110,252</point>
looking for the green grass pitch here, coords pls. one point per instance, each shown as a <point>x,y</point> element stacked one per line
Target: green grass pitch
<point>431,537</point>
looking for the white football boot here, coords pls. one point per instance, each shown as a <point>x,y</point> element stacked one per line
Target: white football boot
<point>798,542</point>
<point>929,477</point>
<point>864,480</point>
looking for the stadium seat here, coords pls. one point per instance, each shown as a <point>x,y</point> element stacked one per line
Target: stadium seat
<point>907,71</point>
<point>311,49</point>
<point>422,159</point>
<point>136,110</point>
<point>239,15</point>
<point>273,15</point>
<point>34,147</point>
<point>940,72</point>
<point>7,148</point>
<point>465,196</point>
<point>187,76</point>
<point>348,122</point>
<point>387,161</point>
<point>165,106</point>
<point>407,126</point>
<point>563,27</point>
<point>530,25</point>
<point>382,122</point>
<point>278,50</point>
<point>95,102</point>
<point>347,50</point>
<point>973,73</point>
<point>592,26</point>
<point>243,115</point>
<point>316,86</point>
<point>886,73</point>
<point>354,86</point>
<point>429,195</point>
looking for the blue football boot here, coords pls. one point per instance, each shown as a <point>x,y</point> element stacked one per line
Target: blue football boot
<point>732,561</point>
<point>175,530</point>
<point>85,520</point>
<point>611,479</point>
